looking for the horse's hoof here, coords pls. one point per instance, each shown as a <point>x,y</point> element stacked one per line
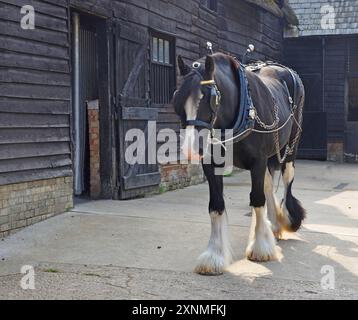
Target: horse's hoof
<point>208,271</point>
<point>259,251</point>
<point>211,264</point>
<point>261,257</point>
<point>278,235</point>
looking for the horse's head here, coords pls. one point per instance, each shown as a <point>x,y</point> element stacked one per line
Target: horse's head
<point>208,98</point>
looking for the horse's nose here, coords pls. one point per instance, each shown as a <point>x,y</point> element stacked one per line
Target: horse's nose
<point>190,155</point>
<point>188,147</point>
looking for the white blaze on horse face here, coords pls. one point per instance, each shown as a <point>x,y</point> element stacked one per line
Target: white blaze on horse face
<point>188,147</point>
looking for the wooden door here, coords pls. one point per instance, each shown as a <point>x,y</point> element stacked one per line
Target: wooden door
<point>351,136</point>
<point>313,143</point>
<point>133,109</point>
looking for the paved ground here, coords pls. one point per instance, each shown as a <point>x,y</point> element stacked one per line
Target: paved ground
<point>147,248</point>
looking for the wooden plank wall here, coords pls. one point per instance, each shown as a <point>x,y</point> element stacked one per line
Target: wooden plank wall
<point>306,56</point>
<point>35,80</point>
<point>335,86</point>
<point>34,93</point>
<point>232,28</point>
<point>240,24</point>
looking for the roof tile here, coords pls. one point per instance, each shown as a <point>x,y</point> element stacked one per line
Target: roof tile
<point>310,16</point>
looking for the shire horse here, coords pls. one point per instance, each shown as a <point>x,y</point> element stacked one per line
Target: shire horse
<point>268,98</point>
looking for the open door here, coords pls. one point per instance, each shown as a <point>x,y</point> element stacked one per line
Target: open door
<point>85,88</point>
<point>351,134</point>
<point>132,107</point>
<point>351,141</point>
<point>313,143</point>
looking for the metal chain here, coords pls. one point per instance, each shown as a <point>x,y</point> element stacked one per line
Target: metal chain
<point>290,149</point>
<point>274,129</point>
<point>274,125</point>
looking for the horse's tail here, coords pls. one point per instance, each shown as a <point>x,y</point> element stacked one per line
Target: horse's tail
<point>293,212</point>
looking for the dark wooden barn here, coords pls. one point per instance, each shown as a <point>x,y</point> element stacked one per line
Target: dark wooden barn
<point>72,85</point>
<point>325,53</point>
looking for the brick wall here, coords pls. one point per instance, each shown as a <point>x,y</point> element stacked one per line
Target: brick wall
<point>176,176</point>
<point>94,146</point>
<point>335,152</point>
<point>24,204</point>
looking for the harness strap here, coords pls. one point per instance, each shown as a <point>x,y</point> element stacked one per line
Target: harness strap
<point>245,120</point>
<point>247,115</point>
<point>200,124</point>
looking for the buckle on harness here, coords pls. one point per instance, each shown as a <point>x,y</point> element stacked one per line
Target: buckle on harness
<point>252,113</point>
<point>207,82</point>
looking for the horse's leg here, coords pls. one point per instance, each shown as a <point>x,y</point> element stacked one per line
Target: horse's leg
<point>218,254</point>
<point>292,213</point>
<point>263,246</point>
<point>273,205</point>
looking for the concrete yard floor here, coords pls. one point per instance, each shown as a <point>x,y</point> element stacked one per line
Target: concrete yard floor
<point>147,248</point>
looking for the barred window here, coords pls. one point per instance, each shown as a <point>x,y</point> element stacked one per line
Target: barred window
<point>212,5</point>
<point>163,75</point>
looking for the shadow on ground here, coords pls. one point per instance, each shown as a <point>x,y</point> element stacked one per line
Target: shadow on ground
<point>147,248</point>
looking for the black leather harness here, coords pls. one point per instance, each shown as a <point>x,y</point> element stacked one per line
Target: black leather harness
<point>245,119</point>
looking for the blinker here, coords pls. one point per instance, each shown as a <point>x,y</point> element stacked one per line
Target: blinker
<point>215,100</point>
<point>214,92</point>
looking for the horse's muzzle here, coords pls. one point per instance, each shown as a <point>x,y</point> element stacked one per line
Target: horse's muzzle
<point>192,156</point>
<point>190,150</point>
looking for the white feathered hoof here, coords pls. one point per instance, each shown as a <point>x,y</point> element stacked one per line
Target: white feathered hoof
<point>211,264</point>
<point>218,254</point>
<point>262,249</point>
<point>278,233</point>
<point>263,246</point>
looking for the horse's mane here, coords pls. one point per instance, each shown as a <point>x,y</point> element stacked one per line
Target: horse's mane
<point>235,63</point>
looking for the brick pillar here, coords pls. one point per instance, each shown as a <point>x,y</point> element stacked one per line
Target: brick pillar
<point>335,151</point>
<point>93,127</point>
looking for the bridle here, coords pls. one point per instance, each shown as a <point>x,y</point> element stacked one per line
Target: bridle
<point>246,116</point>
<point>215,101</point>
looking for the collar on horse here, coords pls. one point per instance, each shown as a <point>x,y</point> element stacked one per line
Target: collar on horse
<point>246,115</point>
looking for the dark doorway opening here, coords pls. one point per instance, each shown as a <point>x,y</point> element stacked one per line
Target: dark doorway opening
<point>87,54</point>
<point>351,141</point>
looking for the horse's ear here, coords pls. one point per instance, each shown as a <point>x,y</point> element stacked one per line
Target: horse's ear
<point>183,68</point>
<point>209,65</point>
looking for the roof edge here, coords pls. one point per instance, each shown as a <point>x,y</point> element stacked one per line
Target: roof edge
<point>279,8</point>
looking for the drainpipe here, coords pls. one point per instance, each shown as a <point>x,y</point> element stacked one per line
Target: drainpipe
<point>323,73</point>
<point>76,107</point>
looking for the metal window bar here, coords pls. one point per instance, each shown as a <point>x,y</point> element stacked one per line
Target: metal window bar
<point>162,73</point>
<point>212,5</point>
